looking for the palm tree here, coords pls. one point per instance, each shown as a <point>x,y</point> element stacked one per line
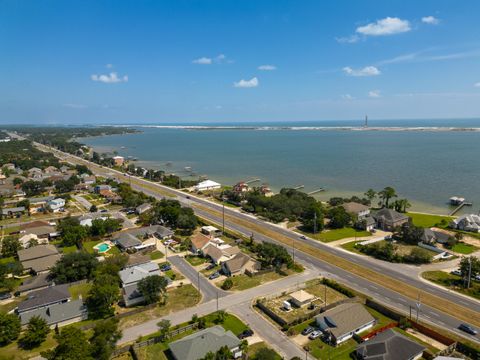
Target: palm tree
<point>405,204</point>
<point>387,194</point>
<point>370,194</point>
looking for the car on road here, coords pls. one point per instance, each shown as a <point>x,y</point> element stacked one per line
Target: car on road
<point>5,296</point>
<point>245,334</point>
<point>315,334</point>
<point>303,237</point>
<point>214,275</point>
<point>468,329</point>
<point>165,267</point>
<point>308,330</point>
<point>104,211</point>
<point>187,197</point>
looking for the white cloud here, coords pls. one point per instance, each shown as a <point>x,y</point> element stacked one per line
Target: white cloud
<point>111,78</point>
<point>348,39</point>
<point>267,67</point>
<point>366,71</point>
<point>74,106</point>
<point>347,97</point>
<point>431,20</point>
<point>253,82</point>
<point>477,84</point>
<point>202,61</point>
<point>374,94</point>
<point>387,26</point>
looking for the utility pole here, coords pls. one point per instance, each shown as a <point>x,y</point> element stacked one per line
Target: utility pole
<point>217,300</point>
<point>325,286</point>
<point>419,303</point>
<point>198,281</point>
<point>223,215</point>
<point>293,250</point>
<point>315,222</point>
<point>469,272</point>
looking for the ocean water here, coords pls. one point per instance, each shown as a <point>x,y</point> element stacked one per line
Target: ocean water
<point>426,161</point>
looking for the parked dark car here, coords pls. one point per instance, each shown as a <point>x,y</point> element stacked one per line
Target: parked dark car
<point>245,334</point>
<point>210,267</point>
<point>5,296</point>
<point>165,267</point>
<point>468,329</point>
<point>307,330</point>
<point>103,210</point>
<point>214,275</point>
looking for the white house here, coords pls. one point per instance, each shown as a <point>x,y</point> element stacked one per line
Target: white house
<point>56,204</point>
<point>207,185</point>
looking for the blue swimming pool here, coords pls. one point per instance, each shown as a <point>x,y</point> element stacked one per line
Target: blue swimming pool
<point>103,247</point>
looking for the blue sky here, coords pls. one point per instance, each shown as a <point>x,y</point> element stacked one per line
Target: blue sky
<point>220,61</point>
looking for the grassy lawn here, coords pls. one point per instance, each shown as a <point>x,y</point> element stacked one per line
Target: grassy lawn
<point>195,260</point>
<point>7,260</point>
<point>463,248</point>
<point>155,255</point>
<point>80,289</point>
<point>12,304</point>
<point>426,220</point>
<point>88,246</point>
<point>350,246</point>
<point>174,275</point>
<point>68,249</point>
<point>207,273</point>
<point>452,282</point>
<point>336,234</point>
<point>152,352</point>
<point>124,356</point>
<point>243,282</point>
<point>254,348</point>
<point>178,299</point>
<point>12,351</point>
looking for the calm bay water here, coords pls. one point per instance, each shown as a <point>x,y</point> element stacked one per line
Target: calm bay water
<point>427,167</point>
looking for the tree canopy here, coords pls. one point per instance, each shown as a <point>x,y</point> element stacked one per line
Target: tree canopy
<point>73,267</point>
<point>151,288</point>
<point>9,328</point>
<point>36,333</point>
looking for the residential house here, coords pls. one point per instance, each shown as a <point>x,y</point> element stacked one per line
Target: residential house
<point>44,298</point>
<point>207,185</point>
<point>118,160</point>
<point>301,298</point>
<point>33,283</point>
<point>389,345</point>
<point>89,180</point>
<point>86,220</point>
<point>219,254</point>
<point>130,277</point>
<point>266,191</point>
<point>50,169</point>
<point>469,222</point>
<point>211,231</point>
<point>241,187</point>
<point>59,314</point>
<point>99,188</point>
<point>158,231</point>
<point>200,343</point>
<point>431,237</point>
<point>64,168</point>
<point>127,242</point>
<point>343,321</point>
<point>39,204</point>
<point>41,234</point>
<point>140,209</point>
<point>199,242</point>
<point>388,219</point>
<point>13,211</point>
<point>240,264</point>
<point>38,258</point>
<point>9,166</point>
<point>361,213</point>
<point>35,172</point>
<point>56,204</point>
<point>111,196</point>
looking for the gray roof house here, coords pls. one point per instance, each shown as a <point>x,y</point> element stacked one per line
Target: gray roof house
<point>158,231</point>
<point>39,258</point>
<point>470,222</point>
<point>58,314</point>
<point>389,345</point>
<point>355,208</point>
<point>388,219</point>
<point>45,297</point>
<point>431,237</point>
<point>130,277</point>
<point>344,320</point>
<point>140,209</point>
<point>127,242</point>
<point>13,210</point>
<point>38,282</point>
<point>197,345</point>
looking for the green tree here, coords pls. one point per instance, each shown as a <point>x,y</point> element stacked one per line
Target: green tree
<point>73,267</point>
<point>220,316</point>
<point>164,328</point>
<point>465,267</point>
<point>9,328</point>
<point>312,218</point>
<point>72,232</point>
<point>273,254</point>
<point>418,256</point>
<point>101,297</point>
<point>10,246</point>
<point>93,209</point>
<point>227,284</point>
<point>72,344</point>
<point>370,194</point>
<point>339,218</point>
<point>152,287</point>
<point>104,338</point>
<point>36,333</point>
<point>386,194</point>
<point>224,353</point>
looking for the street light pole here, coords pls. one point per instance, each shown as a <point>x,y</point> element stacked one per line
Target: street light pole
<point>223,216</point>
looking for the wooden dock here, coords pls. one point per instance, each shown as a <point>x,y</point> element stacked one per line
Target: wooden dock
<point>457,209</point>
<point>298,187</point>
<point>316,191</point>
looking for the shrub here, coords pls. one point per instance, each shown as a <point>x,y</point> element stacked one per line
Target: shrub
<point>340,288</point>
<point>227,284</point>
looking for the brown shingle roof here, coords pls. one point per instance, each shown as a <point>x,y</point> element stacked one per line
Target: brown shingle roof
<point>200,240</point>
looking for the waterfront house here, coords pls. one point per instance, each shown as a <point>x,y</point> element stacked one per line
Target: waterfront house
<point>431,237</point>
<point>389,345</point>
<point>389,219</point>
<point>241,187</point>
<point>207,185</point>
<point>343,321</point>
<point>118,160</point>
<point>356,209</point>
<point>469,222</point>
<point>210,340</point>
